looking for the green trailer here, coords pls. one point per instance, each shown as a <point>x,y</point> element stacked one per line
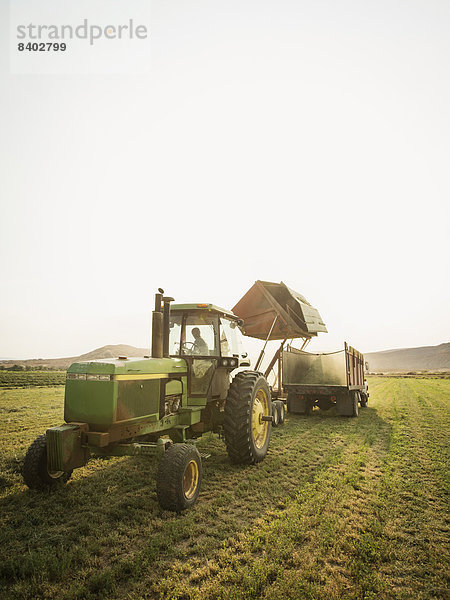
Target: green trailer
<point>326,380</point>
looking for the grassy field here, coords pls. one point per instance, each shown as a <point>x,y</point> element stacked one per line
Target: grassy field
<point>340,509</point>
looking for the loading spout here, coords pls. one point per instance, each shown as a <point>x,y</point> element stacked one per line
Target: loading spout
<point>265,301</point>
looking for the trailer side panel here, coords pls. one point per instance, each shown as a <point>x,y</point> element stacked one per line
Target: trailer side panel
<point>355,367</point>
<point>302,368</point>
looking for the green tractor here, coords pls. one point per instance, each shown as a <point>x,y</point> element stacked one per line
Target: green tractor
<point>161,404</point>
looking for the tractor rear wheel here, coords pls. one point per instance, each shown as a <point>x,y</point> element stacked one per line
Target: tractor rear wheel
<point>179,477</point>
<point>247,423</point>
<point>35,471</point>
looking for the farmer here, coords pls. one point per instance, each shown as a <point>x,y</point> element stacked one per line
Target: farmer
<point>200,346</point>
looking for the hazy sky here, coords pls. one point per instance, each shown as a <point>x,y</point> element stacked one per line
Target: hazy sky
<point>298,141</point>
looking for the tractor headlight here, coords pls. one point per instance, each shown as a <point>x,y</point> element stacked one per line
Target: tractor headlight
<point>76,376</point>
<point>90,377</point>
<point>228,362</point>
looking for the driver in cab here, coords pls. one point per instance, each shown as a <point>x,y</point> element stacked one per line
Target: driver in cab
<point>200,346</point>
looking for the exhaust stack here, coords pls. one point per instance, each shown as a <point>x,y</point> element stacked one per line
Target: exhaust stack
<point>157,326</point>
<point>161,325</point>
<point>166,325</point>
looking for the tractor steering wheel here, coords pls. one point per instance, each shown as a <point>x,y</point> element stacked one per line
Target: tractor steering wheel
<point>187,347</point>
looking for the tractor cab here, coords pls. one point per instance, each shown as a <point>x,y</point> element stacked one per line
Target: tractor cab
<point>208,338</point>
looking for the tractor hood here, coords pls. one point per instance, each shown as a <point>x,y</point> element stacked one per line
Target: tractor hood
<point>129,366</point>
<point>266,301</point>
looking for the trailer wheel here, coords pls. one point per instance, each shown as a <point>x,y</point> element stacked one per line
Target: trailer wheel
<point>363,400</point>
<point>35,471</point>
<point>309,405</point>
<point>355,399</point>
<point>281,411</point>
<point>179,477</point>
<point>275,414</point>
<point>247,422</point>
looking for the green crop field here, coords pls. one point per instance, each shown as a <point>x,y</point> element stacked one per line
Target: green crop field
<point>340,509</point>
<point>10,379</point>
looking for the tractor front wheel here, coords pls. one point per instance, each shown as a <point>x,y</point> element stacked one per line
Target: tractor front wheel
<point>35,471</point>
<point>248,418</point>
<point>179,477</point>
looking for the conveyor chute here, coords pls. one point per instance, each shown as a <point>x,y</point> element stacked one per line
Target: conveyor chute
<point>272,311</point>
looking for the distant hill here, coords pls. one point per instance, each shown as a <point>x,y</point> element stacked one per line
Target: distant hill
<point>425,358</point>
<point>63,363</point>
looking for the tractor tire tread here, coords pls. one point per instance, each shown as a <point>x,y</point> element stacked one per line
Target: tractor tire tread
<point>170,472</point>
<point>35,466</point>
<point>237,418</point>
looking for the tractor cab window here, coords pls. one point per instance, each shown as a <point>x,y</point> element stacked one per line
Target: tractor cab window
<point>230,338</point>
<point>175,335</point>
<point>200,335</point>
<point>200,346</point>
